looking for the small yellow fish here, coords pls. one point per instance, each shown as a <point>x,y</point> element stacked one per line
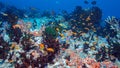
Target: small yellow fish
<point>88,18</point>
<point>74,33</point>
<point>94,43</point>
<point>102,44</point>
<point>62,35</point>
<point>92,48</point>
<point>86,28</point>
<point>13,45</point>
<point>57,29</point>
<point>50,49</point>
<point>62,25</point>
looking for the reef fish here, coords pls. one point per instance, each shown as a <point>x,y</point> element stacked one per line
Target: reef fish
<point>50,49</point>
<point>42,46</point>
<point>17,26</point>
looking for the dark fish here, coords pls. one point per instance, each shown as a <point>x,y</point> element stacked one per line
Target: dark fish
<point>93,2</point>
<point>33,8</point>
<point>86,2</point>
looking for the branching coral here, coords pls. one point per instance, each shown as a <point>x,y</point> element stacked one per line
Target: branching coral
<point>113,22</point>
<point>114,41</point>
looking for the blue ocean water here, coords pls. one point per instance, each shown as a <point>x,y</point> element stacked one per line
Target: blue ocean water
<point>109,7</point>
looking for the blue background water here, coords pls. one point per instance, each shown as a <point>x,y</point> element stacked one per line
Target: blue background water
<point>109,7</point>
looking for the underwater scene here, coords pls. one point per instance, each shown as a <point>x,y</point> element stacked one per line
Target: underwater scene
<point>59,34</point>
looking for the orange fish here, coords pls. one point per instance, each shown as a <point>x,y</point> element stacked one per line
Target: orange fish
<point>10,60</point>
<point>36,33</point>
<point>88,18</point>
<point>74,33</point>
<point>13,45</point>
<point>42,46</point>
<point>86,28</point>
<point>17,26</point>
<point>50,49</point>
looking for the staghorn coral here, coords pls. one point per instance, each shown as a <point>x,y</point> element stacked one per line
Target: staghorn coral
<point>111,28</point>
<point>114,24</point>
<point>114,35</point>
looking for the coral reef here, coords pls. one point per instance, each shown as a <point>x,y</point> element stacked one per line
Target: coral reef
<point>33,39</point>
